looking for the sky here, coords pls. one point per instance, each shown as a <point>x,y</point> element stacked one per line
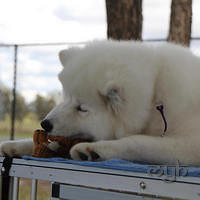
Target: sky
<point>36,21</point>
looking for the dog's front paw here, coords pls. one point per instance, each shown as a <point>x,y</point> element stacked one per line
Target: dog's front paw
<point>8,149</point>
<point>86,152</point>
<point>16,148</point>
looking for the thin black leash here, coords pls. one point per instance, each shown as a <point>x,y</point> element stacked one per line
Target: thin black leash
<point>161,109</point>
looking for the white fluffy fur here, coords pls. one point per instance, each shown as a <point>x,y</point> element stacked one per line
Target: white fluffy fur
<point>120,84</point>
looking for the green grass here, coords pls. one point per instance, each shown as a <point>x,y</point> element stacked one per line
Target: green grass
<point>23,129</point>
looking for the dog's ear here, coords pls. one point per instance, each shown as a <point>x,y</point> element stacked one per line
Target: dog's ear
<point>67,54</point>
<point>113,96</point>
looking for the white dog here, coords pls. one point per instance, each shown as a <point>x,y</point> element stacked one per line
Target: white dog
<point>125,96</point>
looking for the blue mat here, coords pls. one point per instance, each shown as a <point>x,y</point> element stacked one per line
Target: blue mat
<point>127,166</point>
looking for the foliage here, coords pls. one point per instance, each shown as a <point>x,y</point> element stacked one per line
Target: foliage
<point>40,106</point>
<point>6,96</point>
<point>21,106</point>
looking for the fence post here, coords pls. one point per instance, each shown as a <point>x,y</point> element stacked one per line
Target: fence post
<point>13,110</point>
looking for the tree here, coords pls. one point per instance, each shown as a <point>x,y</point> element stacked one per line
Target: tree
<point>41,106</point>
<point>6,94</point>
<point>124,19</point>
<point>5,102</point>
<point>21,107</point>
<point>180,22</point>
<point>2,111</point>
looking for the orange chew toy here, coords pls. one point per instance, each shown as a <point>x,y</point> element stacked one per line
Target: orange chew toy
<point>42,143</point>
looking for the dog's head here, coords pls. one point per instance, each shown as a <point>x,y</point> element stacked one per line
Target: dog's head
<point>91,101</point>
<point>107,92</point>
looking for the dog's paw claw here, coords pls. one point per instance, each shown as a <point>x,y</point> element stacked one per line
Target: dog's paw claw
<point>84,152</point>
<point>95,156</point>
<point>83,156</point>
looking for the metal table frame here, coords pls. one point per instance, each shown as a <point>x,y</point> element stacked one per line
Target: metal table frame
<point>81,182</point>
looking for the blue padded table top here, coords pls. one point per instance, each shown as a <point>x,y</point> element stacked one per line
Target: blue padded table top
<point>119,164</point>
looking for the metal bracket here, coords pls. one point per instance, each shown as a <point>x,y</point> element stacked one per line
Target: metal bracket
<point>5,169</point>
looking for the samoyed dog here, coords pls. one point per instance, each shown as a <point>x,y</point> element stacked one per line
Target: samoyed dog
<point>135,101</point>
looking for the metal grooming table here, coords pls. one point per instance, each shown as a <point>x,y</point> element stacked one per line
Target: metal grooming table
<point>75,182</point>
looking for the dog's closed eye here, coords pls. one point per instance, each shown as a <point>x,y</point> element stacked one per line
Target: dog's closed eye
<point>81,108</point>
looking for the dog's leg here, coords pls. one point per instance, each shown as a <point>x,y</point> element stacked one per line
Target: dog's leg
<point>141,148</point>
<point>17,147</point>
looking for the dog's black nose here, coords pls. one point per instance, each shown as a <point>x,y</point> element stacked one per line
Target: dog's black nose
<point>46,125</point>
